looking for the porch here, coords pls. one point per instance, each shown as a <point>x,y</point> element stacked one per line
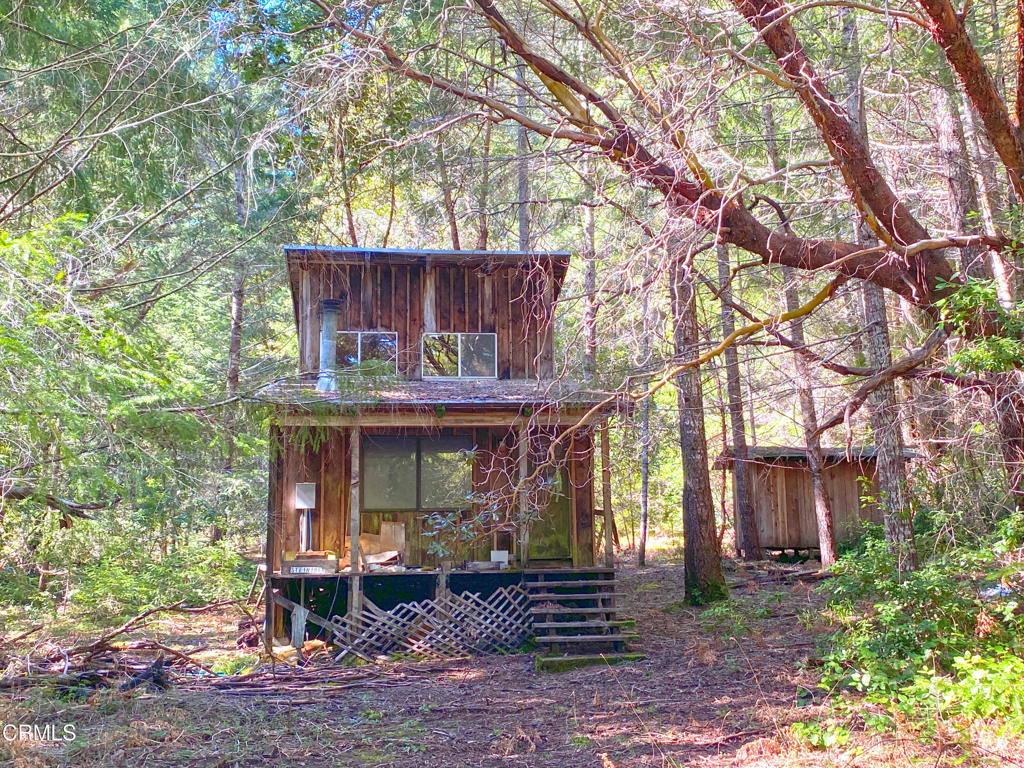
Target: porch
<point>453,613</point>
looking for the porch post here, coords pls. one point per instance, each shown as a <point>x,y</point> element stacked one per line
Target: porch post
<point>606,493</point>
<point>274,481</point>
<point>355,592</point>
<point>524,509</point>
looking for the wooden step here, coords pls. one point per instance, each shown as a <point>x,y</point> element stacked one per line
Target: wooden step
<point>577,660</point>
<point>556,597</point>
<point>555,639</point>
<point>567,571</point>
<point>573,583</point>
<point>563,610</point>
<point>592,624</point>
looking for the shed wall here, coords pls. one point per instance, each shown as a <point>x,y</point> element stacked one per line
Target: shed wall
<point>784,502</point>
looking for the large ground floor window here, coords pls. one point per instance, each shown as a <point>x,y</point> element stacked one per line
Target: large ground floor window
<point>412,474</point>
<point>404,479</point>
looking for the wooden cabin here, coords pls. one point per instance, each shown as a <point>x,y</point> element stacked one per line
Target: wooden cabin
<point>427,393</point>
<point>783,496</point>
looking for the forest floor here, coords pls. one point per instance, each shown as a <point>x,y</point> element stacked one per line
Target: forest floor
<point>718,687</point>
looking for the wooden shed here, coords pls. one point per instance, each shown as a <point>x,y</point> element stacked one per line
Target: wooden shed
<point>783,497</point>
<point>427,392</point>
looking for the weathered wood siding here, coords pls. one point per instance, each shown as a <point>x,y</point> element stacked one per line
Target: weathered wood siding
<point>784,502</point>
<point>516,303</point>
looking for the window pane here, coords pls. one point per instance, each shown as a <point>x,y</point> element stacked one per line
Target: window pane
<point>379,354</point>
<point>348,350</point>
<point>440,354</point>
<point>389,473</point>
<point>446,474</point>
<point>479,354</point>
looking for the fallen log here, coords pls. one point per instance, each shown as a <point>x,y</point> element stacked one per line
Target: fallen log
<point>154,674</point>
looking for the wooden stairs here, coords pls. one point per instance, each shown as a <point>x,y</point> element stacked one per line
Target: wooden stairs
<point>574,618</point>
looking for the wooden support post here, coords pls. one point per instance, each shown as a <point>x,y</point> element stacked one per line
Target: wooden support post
<point>355,591</point>
<point>606,494</point>
<point>299,616</point>
<point>524,509</point>
<point>274,500</point>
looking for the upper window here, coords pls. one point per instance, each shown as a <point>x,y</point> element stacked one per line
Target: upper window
<point>368,353</point>
<point>460,355</point>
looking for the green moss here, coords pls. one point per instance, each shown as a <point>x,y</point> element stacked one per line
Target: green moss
<point>707,592</point>
<point>565,663</point>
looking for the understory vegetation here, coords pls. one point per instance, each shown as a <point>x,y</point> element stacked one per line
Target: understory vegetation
<point>940,650</point>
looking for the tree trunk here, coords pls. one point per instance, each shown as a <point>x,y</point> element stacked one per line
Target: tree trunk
<point>234,359</point>
<point>964,204</point>
<point>485,184</point>
<point>885,417</point>
<point>1009,401</point>
<point>747,540</point>
<point>702,555</point>
<point>446,198</point>
<point>645,446</point>
<point>805,394</point>
<point>590,292</point>
<point>645,477</point>
<point>809,418</point>
<point>346,188</point>
<point>522,165</point>
<point>888,435</point>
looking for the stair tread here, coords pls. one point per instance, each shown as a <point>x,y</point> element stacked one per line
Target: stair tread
<point>562,610</point>
<point>613,638</point>
<point>575,583</point>
<point>555,596</point>
<point>568,571</point>
<point>595,624</point>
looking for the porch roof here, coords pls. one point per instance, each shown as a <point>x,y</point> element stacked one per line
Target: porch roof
<point>462,394</point>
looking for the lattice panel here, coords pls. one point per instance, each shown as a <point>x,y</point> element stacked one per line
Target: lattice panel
<point>445,627</point>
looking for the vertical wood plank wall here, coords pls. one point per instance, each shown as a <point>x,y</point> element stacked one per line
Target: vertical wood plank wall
<point>495,473</point>
<point>514,302</point>
<point>784,502</point>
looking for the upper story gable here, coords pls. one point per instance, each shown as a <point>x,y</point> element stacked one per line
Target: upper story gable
<point>429,314</point>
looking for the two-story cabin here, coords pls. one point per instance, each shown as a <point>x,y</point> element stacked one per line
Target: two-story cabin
<point>429,449</point>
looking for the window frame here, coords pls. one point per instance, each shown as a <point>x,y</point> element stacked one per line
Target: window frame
<point>458,347</point>
<point>419,508</point>
<point>354,370</point>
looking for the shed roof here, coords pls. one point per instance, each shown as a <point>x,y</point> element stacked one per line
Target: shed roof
<point>475,394</point>
<point>790,454</point>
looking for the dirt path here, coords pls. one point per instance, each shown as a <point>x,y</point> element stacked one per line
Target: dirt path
<point>717,688</point>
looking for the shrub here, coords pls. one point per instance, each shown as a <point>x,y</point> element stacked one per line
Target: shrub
<point>945,641</point>
<point>125,584</point>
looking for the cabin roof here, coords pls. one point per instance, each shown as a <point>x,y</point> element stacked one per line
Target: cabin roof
<point>791,454</point>
<point>336,254</point>
<point>475,394</point>
<point>343,254</point>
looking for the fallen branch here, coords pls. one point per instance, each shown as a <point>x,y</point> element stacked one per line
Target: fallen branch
<point>22,636</point>
<point>153,645</point>
<point>103,643</point>
<point>19,491</point>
